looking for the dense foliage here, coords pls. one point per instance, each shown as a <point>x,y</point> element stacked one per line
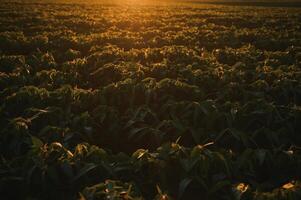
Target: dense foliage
<point>149,102</point>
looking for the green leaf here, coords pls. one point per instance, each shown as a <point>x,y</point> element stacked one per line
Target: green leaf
<point>222,158</point>
<point>83,171</point>
<point>183,186</point>
<point>67,169</point>
<point>218,186</point>
<point>261,154</point>
<point>135,131</point>
<point>195,135</point>
<point>36,142</point>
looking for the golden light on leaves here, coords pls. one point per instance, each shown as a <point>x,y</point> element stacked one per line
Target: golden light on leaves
<point>242,187</point>
<point>239,189</point>
<point>288,186</point>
